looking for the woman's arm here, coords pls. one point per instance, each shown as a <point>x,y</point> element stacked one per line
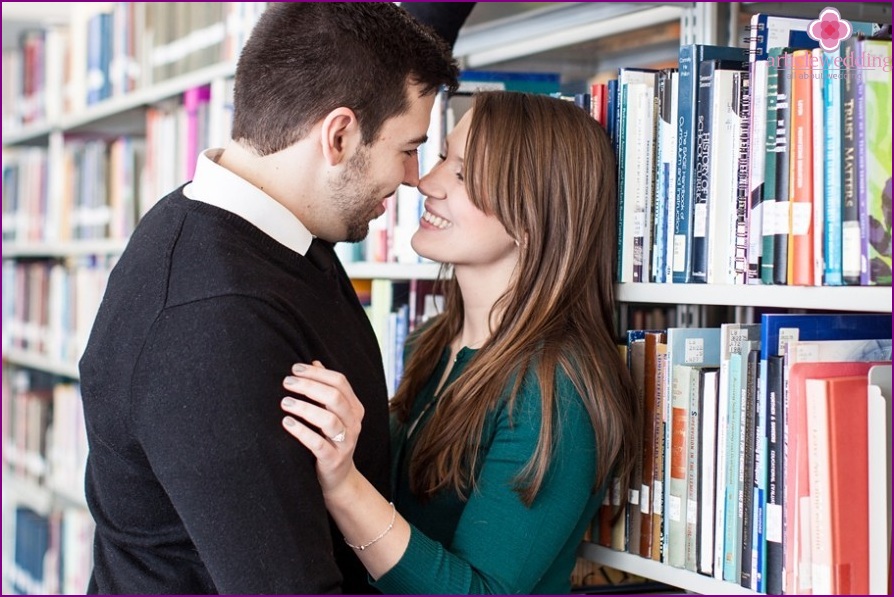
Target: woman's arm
<point>366,519</point>
<point>500,545</point>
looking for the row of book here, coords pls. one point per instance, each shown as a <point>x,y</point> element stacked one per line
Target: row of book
<point>101,53</point>
<point>44,437</point>
<point>49,307</point>
<point>766,165</point>
<point>44,461</point>
<point>52,553</point>
<point>100,188</point>
<point>766,453</point>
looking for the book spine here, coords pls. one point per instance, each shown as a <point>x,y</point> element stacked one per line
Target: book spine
<point>757,159</point>
<point>817,158</point>
<point>850,222</point>
<point>860,136</point>
<point>700,186</point>
<point>693,473</point>
<point>687,104</point>
<point>800,246</point>
<point>739,263</point>
<point>676,543</point>
<point>781,221</point>
<point>731,533</point>
<point>768,201</point>
<point>775,470</point>
<point>878,165</point>
<point>659,200</point>
<point>832,149</point>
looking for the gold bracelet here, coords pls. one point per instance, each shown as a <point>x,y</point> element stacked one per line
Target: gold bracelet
<point>382,534</point>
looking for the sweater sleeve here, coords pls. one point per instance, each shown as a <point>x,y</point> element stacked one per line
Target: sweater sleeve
<point>502,546</point>
<point>207,391</point>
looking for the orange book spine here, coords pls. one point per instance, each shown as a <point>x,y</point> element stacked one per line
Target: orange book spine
<point>800,250</point>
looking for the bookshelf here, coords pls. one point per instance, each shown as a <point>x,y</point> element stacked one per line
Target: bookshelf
<point>575,39</point>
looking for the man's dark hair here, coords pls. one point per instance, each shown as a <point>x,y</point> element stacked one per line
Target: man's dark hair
<point>304,59</point>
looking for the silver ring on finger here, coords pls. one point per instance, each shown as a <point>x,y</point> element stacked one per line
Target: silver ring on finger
<point>339,437</point>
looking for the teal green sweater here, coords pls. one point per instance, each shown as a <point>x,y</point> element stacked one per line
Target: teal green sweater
<point>493,543</point>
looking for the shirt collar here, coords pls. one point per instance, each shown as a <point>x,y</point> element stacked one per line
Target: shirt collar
<point>215,185</point>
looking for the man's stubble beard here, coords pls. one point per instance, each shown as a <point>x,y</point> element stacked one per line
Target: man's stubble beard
<point>352,196</point>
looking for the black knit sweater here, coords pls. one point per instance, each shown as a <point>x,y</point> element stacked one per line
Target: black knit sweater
<point>194,485</point>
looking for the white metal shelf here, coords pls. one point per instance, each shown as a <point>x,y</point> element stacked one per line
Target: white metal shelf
<point>562,24</point>
<point>662,573</point>
<point>392,271</point>
<point>34,360</point>
<point>829,298</point>
<point>116,115</point>
<point>76,248</point>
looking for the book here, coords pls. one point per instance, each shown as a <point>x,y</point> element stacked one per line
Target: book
<point>798,555</point>
<point>769,219</point>
<point>874,129</point>
<point>635,172</point>
<point>665,182</point>
<point>690,60</point>
<point>817,160</point>
<point>732,337</point>
<point>850,217</point>
<point>757,159</point>
<point>838,459</point>
<point>662,442</point>
<point>652,421</point>
<point>636,363</point>
<point>714,163</point>
<point>781,220</point>
<point>771,31</point>
<point>879,464</point>
<point>800,245</point>
<point>748,426</point>
<point>687,347</point>
<point>832,188</point>
<point>707,445</point>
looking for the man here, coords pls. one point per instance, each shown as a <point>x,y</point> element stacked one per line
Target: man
<point>228,281</point>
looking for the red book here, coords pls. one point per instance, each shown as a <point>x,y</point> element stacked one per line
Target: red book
<point>797,558</point>
<point>844,569</point>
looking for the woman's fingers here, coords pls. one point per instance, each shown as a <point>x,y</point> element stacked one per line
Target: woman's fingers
<point>325,420</point>
<point>323,394</point>
<point>313,441</point>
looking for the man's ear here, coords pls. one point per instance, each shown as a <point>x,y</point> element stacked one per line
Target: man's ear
<point>340,135</point>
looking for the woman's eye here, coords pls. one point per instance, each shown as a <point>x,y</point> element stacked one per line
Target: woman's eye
<point>442,157</point>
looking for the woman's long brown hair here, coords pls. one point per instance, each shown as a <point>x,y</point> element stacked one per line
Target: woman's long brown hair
<point>546,170</point>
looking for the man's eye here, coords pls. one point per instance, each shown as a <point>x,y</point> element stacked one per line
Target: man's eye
<point>412,152</point>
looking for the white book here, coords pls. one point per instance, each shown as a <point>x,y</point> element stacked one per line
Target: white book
<point>725,129</point>
<point>879,434</point>
<point>707,485</point>
<point>820,486</point>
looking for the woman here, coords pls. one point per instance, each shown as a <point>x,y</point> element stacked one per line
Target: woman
<point>514,411</point>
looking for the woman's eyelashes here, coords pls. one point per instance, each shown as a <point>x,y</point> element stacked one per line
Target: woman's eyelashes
<point>458,173</point>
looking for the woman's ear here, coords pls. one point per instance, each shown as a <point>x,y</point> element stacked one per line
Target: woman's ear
<point>340,135</point>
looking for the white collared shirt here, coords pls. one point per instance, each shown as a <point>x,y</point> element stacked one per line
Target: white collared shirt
<point>215,185</point>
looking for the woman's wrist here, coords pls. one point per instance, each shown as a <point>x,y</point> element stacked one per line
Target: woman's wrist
<point>347,492</point>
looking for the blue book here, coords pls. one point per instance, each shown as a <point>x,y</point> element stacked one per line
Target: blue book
<point>777,329</point>
<point>529,82</point>
<point>691,58</point>
<point>770,31</point>
<point>832,165</point>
